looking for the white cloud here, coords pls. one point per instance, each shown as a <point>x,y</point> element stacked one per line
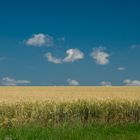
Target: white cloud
<point>39,40</point>
<point>73,82</point>
<point>100,56</point>
<point>129,82</point>
<point>7,81</point>
<point>2,58</point>
<point>53,59</point>
<point>105,83</point>
<point>73,55</point>
<point>121,68</point>
<point>135,46</point>
<point>61,39</point>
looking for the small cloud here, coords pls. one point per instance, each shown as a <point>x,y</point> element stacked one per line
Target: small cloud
<point>39,40</point>
<point>2,58</point>
<point>129,82</point>
<point>73,82</point>
<point>100,56</point>
<point>61,39</point>
<point>121,68</point>
<point>105,83</point>
<point>7,81</point>
<point>53,59</point>
<point>73,55</point>
<point>135,46</point>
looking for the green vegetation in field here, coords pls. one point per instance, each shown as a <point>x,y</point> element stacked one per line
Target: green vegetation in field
<point>75,132</point>
<point>79,120</point>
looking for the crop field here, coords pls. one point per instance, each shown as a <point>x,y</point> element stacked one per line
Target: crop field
<point>69,113</point>
<point>60,94</point>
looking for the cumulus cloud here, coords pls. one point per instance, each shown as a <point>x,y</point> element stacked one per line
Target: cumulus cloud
<point>39,40</point>
<point>129,82</point>
<point>105,83</point>
<point>121,68</point>
<point>7,81</point>
<point>73,82</point>
<point>100,56</point>
<point>53,59</point>
<point>73,55</point>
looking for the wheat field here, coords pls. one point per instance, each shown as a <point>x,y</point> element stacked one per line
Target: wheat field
<point>57,105</point>
<point>57,94</point>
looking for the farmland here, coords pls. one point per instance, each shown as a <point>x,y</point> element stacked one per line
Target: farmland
<point>60,94</point>
<point>69,113</point>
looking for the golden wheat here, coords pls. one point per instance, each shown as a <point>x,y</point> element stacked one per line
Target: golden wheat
<point>56,105</point>
<point>50,113</point>
<point>14,94</point>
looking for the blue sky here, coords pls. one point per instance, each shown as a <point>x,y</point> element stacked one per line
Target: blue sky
<point>73,42</point>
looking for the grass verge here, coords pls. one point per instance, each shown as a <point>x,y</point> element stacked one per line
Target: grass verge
<point>73,132</point>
